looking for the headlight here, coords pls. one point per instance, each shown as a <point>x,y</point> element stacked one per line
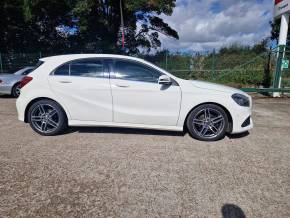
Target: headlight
<point>241,100</point>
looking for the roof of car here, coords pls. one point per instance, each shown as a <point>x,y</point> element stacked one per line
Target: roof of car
<point>56,60</point>
<point>77,56</point>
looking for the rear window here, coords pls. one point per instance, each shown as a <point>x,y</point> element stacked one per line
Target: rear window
<point>39,63</point>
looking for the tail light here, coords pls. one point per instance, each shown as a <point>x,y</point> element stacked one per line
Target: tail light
<point>25,80</point>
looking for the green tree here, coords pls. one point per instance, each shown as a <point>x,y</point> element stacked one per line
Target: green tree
<point>43,20</point>
<point>99,23</point>
<point>12,25</point>
<point>275,30</point>
<point>55,26</point>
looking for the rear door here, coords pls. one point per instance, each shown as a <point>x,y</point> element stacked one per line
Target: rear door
<point>84,87</point>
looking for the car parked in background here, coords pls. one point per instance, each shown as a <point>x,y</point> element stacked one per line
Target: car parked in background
<point>10,83</point>
<point>122,91</point>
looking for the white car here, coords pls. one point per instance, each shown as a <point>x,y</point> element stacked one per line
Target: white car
<point>122,91</point>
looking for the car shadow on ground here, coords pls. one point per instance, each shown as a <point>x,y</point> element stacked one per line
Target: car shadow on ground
<point>112,130</point>
<point>239,135</point>
<point>232,211</point>
<point>117,130</point>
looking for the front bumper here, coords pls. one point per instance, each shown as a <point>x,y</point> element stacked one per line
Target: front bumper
<point>242,119</point>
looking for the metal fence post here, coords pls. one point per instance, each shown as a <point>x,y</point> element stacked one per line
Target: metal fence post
<point>213,64</point>
<point>166,60</point>
<point>278,73</point>
<point>1,63</point>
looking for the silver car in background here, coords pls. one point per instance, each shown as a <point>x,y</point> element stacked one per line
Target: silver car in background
<point>10,83</point>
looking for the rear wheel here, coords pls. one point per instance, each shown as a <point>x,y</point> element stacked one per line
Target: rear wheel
<point>16,90</point>
<point>47,118</point>
<point>208,122</point>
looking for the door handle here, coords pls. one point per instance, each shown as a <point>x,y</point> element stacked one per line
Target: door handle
<point>64,81</point>
<point>122,86</point>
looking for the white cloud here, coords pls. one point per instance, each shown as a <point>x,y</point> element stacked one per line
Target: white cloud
<point>208,24</point>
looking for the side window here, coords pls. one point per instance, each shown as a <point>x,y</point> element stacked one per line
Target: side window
<point>87,68</point>
<point>62,70</point>
<point>129,70</point>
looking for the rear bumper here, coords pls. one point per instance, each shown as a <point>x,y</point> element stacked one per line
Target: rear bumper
<point>21,104</point>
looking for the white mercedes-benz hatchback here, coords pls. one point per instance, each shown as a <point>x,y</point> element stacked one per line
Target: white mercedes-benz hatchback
<point>122,91</point>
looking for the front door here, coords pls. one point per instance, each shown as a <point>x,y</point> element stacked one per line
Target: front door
<point>139,99</point>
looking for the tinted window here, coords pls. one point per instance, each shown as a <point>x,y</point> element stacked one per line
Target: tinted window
<point>62,70</point>
<point>39,63</point>
<point>129,70</point>
<point>87,68</point>
<point>26,72</point>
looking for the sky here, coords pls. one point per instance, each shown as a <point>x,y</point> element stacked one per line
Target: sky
<point>211,24</point>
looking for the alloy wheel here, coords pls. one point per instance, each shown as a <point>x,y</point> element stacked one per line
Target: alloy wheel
<point>208,123</point>
<point>45,118</point>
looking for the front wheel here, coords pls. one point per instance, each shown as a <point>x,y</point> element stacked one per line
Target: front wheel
<point>207,122</point>
<point>47,118</point>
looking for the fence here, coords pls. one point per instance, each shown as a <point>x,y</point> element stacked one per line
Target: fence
<point>238,69</point>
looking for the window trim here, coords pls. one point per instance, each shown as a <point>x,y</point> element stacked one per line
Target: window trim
<point>105,68</point>
<point>113,74</point>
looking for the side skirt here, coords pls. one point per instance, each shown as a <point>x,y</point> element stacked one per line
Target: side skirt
<point>126,125</point>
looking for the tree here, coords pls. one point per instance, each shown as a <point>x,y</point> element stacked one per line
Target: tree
<point>55,26</point>
<point>43,19</point>
<point>11,25</point>
<point>275,30</point>
<point>99,23</point>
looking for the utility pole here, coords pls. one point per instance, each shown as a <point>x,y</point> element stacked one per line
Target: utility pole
<point>281,52</point>
<point>122,25</point>
<point>281,11</point>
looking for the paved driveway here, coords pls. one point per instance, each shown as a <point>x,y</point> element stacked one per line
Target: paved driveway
<point>111,172</point>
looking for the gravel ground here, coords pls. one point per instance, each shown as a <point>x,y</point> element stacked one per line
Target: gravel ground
<point>111,172</point>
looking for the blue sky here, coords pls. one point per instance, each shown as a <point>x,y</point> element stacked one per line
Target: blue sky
<point>209,24</point>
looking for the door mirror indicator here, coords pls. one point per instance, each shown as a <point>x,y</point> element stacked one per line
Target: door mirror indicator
<point>164,80</point>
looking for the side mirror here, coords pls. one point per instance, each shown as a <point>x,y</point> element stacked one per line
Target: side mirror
<point>164,80</point>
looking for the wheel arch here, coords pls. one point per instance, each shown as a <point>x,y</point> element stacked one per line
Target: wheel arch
<point>230,119</point>
<point>38,99</point>
<point>14,85</point>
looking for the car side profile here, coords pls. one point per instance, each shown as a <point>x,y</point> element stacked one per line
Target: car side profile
<point>10,83</point>
<point>122,91</point>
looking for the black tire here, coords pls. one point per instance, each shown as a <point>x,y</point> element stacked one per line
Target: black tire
<point>16,90</point>
<point>58,117</point>
<point>206,119</point>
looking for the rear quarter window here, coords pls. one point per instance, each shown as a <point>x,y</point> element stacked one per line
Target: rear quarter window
<point>62,70</point>
<point>90,67</point>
